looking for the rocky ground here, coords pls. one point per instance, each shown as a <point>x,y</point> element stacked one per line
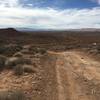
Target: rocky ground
<point>70,75</point>
<point>78,76</point>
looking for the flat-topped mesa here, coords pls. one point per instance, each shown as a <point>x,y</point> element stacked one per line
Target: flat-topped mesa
<point>11,29</point>
<point>10,32</point>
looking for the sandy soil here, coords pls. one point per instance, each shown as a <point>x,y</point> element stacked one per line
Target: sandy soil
<point>78,76</point>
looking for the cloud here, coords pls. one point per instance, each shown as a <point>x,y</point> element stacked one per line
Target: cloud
<point>15,15</point>
<point>9,3</point>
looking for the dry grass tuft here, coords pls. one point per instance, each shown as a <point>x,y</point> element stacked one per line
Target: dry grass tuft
<point>18,70</point>
<point>12,95</point>
<point>28,69</point>
<point>18,54</point>
<point>35,50</point>
<point>13,61</point>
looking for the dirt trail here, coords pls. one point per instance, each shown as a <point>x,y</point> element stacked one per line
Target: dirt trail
<point>78,76</point>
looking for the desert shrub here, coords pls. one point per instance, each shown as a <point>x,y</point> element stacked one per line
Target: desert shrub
<point>33,50</point>
<point>17,95</point>
<point>2,62</point>
<point>27,61</point>
<point>4,95</point>
<point>2,49</point>
<point>42,51</point>
<point>25,51</point>
<point>11,62</point>
<point>9,50</point>
<point>18,54</point>
<point>18,70</point>
<point>12,95</point>
<point>37,50</point>
<point>28,69</point>
<point>98,49</point>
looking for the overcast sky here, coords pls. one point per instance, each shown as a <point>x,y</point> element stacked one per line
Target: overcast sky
<point>50,14</point>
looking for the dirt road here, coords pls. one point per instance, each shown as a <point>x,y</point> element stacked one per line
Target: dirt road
<point>78,76</point>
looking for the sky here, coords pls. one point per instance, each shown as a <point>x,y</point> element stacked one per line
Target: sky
<point>50,14</point>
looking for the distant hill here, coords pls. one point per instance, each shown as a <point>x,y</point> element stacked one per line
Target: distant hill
<point>40,30</point>
<point>10,32</point>
<point>76,36</point>
<point>86,30</point>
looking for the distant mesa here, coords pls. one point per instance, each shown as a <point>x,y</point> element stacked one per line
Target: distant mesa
<point>11,29</point>
<point>10,32</point>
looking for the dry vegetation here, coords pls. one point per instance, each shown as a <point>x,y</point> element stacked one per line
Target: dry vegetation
<point>20,69</point>
<point>12,95</point>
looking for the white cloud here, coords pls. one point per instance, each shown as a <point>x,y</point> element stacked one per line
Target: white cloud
<point>9,3</point>
<point>15,15</point>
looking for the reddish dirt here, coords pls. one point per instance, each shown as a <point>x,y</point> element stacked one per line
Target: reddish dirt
<point>70,75</point>
<point>78,76</point>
